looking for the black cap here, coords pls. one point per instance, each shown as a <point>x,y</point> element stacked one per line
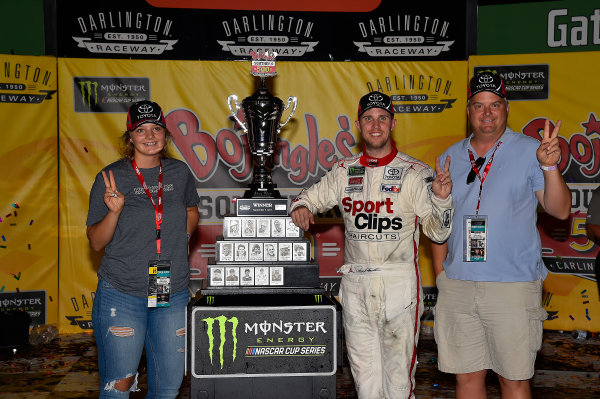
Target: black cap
<point>144,112</point>
<point>486,81</point>
<point>375,99</point>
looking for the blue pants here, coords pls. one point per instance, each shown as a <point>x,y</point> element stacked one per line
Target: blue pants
<point>123,326</point>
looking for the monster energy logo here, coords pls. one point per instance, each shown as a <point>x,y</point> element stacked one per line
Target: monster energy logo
<point>86,87</point>
<point>318,298</point>
<point>210,321</point>
<point>210,300</point>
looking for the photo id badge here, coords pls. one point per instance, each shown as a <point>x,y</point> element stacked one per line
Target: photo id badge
<point>475,239</point>
<point>159,283</point>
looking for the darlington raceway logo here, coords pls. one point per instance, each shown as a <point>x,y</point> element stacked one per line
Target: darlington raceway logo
<point>113,94</point>
<point>267,33</point>
<point>124,32</point>
<point>24,83</point>
<point>420,93</point>
<point>404,36</point>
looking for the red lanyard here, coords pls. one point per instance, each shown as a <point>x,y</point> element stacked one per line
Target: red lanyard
<point>158,210</point>
<point>485,173</point>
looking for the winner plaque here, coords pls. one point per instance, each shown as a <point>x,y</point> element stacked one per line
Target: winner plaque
<point>262,113</point>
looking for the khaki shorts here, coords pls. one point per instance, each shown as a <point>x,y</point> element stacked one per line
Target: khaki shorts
<point>488,325</point>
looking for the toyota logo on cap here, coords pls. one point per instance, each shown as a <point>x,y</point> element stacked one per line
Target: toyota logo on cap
<point>145,108</point>
<point>375,99</point>
<point>144,112</point>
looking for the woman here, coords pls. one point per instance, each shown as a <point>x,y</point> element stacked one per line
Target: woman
<point>143,209</point>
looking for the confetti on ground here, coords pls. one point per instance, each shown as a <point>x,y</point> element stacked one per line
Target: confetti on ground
<point>18,290</point>
<point>584,291</point>
<point>12,224</point>
<point>584,302</point>
<point>2,289</point>
<point>8,215</point>
<point>3,238</point>
<point>17,276</point>
<point>85,149</point>
<point>587,316</point>
<point>15,212</point>
<point>2,246</point>
<point>49,297</point>
<point>572,318</point>
<point>15,205</point>
<point>31,222</point>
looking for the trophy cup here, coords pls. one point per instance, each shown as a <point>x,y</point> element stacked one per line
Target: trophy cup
<point>262,113</point>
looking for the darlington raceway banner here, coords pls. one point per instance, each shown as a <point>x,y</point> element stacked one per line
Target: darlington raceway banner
<point>430,104</point>
<point>561,87</point>
<point>29,187</point>
<point>334,30</point>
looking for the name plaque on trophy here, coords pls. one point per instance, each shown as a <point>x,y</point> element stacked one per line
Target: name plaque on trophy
<point>261,206</point>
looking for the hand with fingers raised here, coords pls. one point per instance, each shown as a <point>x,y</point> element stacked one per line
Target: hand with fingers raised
<point>548,153</point>
<point>442,184</point>
<point>114,200</point>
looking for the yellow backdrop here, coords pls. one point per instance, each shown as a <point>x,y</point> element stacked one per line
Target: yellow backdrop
<point>194,98</point>
<point>29,186</point>
<point>570,296</point>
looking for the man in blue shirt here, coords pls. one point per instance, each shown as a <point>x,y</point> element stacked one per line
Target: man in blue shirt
<point>490,271</point>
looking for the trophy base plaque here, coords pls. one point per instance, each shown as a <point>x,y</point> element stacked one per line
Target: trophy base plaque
<point>261,206</point>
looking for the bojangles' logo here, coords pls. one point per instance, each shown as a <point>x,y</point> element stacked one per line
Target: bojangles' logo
<point>222,320</point>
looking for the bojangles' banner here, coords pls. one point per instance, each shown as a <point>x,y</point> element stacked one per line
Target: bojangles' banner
<point>29,187</point>
<point>430,105</point>
<point>561,87</point>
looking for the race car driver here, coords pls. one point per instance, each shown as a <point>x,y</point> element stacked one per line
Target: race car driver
<point>383,195</point>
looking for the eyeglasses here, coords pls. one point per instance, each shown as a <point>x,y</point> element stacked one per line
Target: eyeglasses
<point>478,163</point>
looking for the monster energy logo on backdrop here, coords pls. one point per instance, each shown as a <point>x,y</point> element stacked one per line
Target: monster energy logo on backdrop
<point>89,92</point>
<point>108,94</point>
<point>222,320</point>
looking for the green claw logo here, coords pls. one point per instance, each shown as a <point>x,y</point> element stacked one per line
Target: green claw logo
<point>318,298</point>
<point>86,87</point>
<point>210,321</point>
<point>210,300</point>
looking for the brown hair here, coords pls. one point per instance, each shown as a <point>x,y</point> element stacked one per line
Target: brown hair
<point>126,146</point>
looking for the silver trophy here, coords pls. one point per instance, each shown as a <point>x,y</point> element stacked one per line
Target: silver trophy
<point>262,113</point>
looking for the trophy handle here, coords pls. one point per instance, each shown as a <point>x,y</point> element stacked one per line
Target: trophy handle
<point>234,111</point>
<point>291,99</point>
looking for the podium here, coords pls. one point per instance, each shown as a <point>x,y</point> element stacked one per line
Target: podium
<point>282,343</point>
<point>261,327</point>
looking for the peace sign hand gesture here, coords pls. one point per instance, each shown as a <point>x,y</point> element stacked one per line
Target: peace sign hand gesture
<point>548,153</point>
<point>114,200</point>
<point>442,185</point>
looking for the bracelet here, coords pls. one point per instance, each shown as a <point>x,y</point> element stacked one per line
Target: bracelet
<point>548,168</point>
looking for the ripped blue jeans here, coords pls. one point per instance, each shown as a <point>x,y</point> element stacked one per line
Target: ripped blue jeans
<point>123,326</point>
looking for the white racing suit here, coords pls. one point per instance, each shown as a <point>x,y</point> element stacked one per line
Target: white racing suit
<point>381,289</point>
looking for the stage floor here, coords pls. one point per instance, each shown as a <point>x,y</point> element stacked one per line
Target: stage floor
<point>66,368</point>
